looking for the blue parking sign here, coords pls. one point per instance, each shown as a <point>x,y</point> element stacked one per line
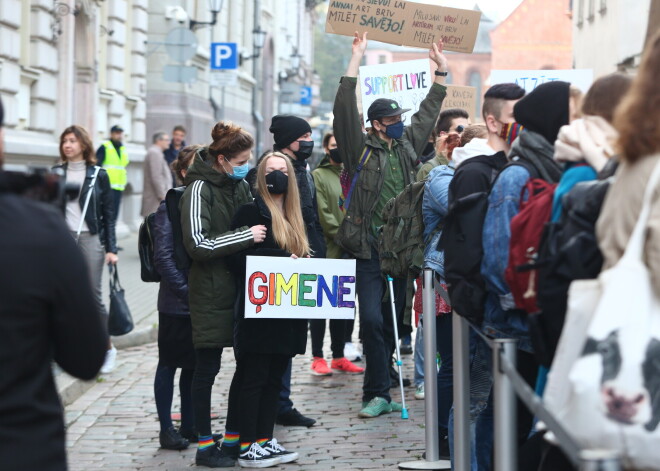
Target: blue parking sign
<point>305,95</point>
<point>224,56</point>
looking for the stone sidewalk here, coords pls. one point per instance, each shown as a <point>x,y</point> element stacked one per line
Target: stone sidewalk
<point>114,426</point>
<point>112,422</point>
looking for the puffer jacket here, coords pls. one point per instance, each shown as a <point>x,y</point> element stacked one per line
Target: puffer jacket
<point>173,290</point>
<point>207,208</point>
<point>328,192</point>
<point>435,207</point>
<point>100,216</point>
<point>355,235</point>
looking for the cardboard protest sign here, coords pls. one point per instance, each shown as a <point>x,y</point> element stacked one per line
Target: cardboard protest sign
<point>305,288</point>
<point>464,98</point>
<point>406,82</point>
<point>530,79</point>
<point>405,23</point>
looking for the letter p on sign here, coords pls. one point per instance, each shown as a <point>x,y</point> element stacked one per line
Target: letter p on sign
<point>224,56</point>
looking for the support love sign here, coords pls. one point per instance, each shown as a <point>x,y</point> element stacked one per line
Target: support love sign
<point>405,23</point>
<point>406,82</point>
<point>305,288</point>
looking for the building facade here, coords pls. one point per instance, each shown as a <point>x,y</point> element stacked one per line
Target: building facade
<point>275,43</point>
<point>616,28</point>
<point>536,35</point>
<point>74,62</point>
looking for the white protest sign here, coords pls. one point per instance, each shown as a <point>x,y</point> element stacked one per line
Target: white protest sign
<point>305,288</point>
<point>406,82</point>
<point>530,79</point>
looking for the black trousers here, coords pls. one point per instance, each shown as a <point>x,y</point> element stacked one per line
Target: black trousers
<point>207,367</point>
<point>254,393</point>
<point>337,332</point>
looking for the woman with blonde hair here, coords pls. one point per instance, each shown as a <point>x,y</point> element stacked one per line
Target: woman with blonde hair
<point>638,121</point>
<point>263,347</point>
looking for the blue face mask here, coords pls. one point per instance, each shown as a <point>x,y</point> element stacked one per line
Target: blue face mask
<point>395,131</point>
<point>240,172</point>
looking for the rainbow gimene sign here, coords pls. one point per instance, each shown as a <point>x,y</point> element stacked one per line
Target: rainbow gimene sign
<point>310,288</point>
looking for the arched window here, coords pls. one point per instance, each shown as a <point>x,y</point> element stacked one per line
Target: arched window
<point>474,80</point>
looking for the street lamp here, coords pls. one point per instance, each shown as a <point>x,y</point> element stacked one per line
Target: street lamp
<point>295,60</point>
<point>215,7</point>
<point>258,41</point>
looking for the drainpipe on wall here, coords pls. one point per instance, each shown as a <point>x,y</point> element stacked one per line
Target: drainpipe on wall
<point>256,115</point>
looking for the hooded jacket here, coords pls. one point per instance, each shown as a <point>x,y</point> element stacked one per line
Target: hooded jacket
<point>355,234</point>
<point>207,207</point>
<point>328,192</point>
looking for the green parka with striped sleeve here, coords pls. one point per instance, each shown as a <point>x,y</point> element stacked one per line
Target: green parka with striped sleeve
<point>207,208</point>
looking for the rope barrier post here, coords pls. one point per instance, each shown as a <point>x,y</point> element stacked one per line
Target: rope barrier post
<point>461,350</point>
<point>504,401</point>
<point>432,460</point>
<point>600,460</point>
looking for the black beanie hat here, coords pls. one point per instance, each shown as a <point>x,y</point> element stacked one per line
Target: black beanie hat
<point>544,110</point>
<point>287,128</point>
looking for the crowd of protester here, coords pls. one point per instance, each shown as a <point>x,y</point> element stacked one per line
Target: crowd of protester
<point>212,211</point>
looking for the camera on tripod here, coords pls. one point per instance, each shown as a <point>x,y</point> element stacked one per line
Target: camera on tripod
<point>38,183</point>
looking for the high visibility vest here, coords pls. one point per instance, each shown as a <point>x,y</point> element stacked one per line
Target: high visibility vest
<point>115,164</point>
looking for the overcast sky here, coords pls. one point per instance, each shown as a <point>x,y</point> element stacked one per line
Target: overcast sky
<point>496,10</point>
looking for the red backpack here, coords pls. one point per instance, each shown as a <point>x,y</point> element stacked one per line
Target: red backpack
<point>526,230</point>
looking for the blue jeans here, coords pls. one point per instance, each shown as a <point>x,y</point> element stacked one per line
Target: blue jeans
<point>418,356</point>
<point>376,336</point>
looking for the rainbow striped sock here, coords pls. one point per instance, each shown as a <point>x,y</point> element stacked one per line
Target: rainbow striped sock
<point>205,442</point>
<point>262,441</point>
<point>231,439</point>
<point>245,446</point>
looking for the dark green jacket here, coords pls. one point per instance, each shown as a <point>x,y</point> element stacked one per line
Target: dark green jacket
<point>207,208</point>
<point>328,192</point>
<point>354,235</point>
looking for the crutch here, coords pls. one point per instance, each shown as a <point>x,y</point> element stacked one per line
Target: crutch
<point>404,411</point>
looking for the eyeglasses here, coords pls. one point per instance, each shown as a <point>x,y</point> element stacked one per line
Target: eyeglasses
<point>400,118</point>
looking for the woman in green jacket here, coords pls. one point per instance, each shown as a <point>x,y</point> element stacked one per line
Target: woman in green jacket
<point>215,190</point>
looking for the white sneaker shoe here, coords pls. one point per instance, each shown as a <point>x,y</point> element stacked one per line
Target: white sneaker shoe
<point>419,392</point>
<point>257,457</point>
<point>351,353</point>
<point>277,450</point>
<point>110,360</point>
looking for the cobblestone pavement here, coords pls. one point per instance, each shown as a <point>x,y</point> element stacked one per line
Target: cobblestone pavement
<point>114,424</point>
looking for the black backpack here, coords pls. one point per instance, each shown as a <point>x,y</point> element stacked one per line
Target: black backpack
<point>569,251</point>
<point>172,201</point>
<point>148,270</point>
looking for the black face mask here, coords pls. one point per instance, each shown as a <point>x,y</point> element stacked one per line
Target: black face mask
<point>334,155</point>
<point>277,182</point>
<point>304,150</point>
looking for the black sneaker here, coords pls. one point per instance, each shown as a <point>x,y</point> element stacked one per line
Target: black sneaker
<point>277,450</point>
<point>231,451</point>
<point>294,418</point>
<point>257,457</point>
<point>212,457</point>
<point>170,439</point>
<point>192,437</point>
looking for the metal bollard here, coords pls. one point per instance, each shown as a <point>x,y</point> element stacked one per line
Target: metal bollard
<point>461,350</point>
<point>504,402</point>
<point>600,460</point>
<point>430,368</point>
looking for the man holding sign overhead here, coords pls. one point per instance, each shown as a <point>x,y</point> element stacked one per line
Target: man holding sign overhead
<point>380,164</point>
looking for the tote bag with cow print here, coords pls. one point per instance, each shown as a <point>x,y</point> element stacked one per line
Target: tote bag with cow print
<point>614,383</point>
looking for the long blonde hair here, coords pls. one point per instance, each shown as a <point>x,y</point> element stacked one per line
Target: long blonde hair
<point>288,226</point>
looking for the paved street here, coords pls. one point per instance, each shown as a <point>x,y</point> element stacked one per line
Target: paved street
<point>114,425</point>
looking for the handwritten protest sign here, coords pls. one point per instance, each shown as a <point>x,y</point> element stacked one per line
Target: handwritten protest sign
<point>464,98</point>
<point>530,79</point>
<point>309,288</point>
<point>405,23</point>
<point>406,82</point>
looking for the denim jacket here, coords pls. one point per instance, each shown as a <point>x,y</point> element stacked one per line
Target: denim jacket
<point>434,210</point>
<point>501,319</point>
